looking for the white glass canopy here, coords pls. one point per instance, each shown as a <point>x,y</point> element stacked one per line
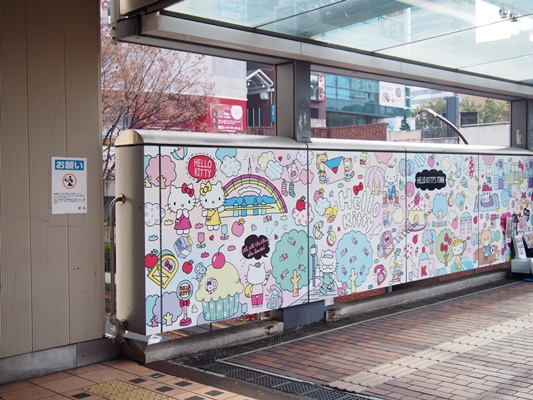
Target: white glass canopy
<point>481,45</point>
<point>487,37</point>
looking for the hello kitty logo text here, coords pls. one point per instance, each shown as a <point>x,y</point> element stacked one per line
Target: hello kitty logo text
<point>201,167</point>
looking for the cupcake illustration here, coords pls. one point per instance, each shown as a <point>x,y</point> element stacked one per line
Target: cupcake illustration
<point>219,289</point>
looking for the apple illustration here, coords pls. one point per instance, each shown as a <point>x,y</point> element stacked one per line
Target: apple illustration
<point>300,203</point>
<point>218,260</point>
<point>238,228</point>
<point>150,260</point>
<point>187,267</point>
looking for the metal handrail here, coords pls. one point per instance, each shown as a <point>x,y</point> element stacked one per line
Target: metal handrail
<point>122,200</point>
<point>441,118</point>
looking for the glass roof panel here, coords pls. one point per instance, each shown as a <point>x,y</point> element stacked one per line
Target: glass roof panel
<point>520,71</point>
<point>251,13</point>
<point>468,48</point>
<point>479,36</point>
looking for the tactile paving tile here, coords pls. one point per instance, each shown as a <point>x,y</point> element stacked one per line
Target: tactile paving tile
<point>118,390</point>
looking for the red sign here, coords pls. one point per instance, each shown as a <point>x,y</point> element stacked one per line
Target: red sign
<point>227,117</point>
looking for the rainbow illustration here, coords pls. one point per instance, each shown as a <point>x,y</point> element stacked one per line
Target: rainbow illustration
<point>250,199</point>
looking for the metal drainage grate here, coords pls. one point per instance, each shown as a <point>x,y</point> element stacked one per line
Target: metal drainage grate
<point>280,383</point>
<point>325,394</point>
<point>302,388</point>
<point>220,368</point>
<point>297,388</point>
<point>244,374</point>
<point>269,381</point>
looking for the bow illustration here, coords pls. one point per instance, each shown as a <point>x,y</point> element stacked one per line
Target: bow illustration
<point>186,189</point>
<point>205,189</point>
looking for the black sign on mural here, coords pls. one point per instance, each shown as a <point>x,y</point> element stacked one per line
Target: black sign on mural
<point>256,247</point>
<point>430,179</point>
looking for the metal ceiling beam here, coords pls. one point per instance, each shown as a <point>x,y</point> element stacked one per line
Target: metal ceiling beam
<point>199,37</point>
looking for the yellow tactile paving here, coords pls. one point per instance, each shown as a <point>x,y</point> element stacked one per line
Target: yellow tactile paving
<point>118,390</point>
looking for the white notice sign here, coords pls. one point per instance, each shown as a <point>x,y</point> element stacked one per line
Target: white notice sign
<point>69,185</point>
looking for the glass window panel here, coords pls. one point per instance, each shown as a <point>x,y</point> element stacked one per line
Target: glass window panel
<point>343,81</point>
<point>331,80</point>
<point>330,92</point>
<point>343,94</point>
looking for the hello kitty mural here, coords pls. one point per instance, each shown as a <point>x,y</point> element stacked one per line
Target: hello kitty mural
<point>181,201</point>
<point>241,228</point>
<point>212,202</point>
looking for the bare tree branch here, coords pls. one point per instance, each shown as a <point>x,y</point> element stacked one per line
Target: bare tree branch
<point>150,88</point>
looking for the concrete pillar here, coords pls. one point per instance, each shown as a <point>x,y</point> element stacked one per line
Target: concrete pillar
<point>453,115</point>
<point>530,125</point>
<point>293,100</point>
<point>520,136</point>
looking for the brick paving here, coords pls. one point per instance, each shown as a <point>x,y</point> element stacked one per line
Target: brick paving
<point>475,347</point>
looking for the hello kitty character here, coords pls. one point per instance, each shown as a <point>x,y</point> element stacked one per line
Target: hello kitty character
<point>257,278</point>
<point>390,194</point>
<point>523,192</point>
<point>458,249</point>
<point>181,201</point>
<point>326,268</point>
<point>212,201</point>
